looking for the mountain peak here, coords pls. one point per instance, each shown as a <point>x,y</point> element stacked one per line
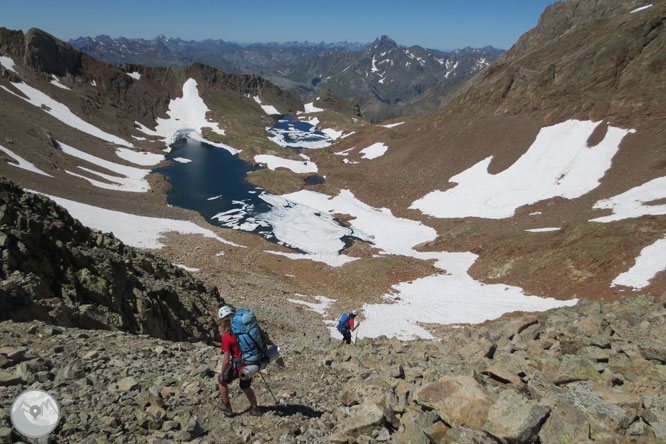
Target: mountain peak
<point>385,42</point>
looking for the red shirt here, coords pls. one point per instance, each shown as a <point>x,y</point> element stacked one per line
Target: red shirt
<point>351,323</point>
<point>230,344</point>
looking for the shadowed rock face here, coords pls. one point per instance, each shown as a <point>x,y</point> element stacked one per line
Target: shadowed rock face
<point>50,55</point>
<point>56,270</point>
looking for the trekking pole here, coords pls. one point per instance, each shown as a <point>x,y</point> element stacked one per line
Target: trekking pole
<point>356,336</point>
<point>269,389</point>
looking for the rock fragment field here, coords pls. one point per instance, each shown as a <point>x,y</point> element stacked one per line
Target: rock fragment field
<point>591,373</point>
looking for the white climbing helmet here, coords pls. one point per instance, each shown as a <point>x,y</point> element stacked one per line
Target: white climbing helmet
<point>354,313</point>
<point>224,311</point>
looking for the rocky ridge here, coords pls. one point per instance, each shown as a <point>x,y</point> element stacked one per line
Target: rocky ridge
<point>56,270</point>
<point>551,69</point>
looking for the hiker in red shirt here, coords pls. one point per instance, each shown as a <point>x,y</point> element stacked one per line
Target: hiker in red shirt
<point>346,326</point>
<point>231,365</point>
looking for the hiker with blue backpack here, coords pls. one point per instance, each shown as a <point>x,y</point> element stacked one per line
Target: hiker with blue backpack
<point>346,326</point>
<point>241,351</point>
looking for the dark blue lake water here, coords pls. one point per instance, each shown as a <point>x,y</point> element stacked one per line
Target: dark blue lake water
<point>211,183</point>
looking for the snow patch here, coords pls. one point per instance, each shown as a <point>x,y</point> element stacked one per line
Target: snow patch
<point>650,261</point>
<point>310,108</point>
<point>22,163</point>
<point>392,125</point>
<point>449,297</point>
<point>56,82</point>
<point>8,64</point>
<point>187,112</point>
<point>296,166</point>
<point>268,109</point>
<point>632,203</point>
<point>332,260</point>
<point>374,151</point>
<point>559,163</point>
<point>331,133</point>
<point>135,75</point>
<point>343,153</point>
<point>139,157</point>
<point>62,113</point>
<point>133,230</point>
<point>320,307</point>
<point>642,8</point>
<point>133,179</point>
<point>144,129</point>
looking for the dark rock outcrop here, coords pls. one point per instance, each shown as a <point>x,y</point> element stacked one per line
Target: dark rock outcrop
<point>56,270</point>
<point>12,43</point>
<point>47,54</point>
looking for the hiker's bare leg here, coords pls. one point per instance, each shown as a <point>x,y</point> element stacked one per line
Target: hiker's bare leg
<point>224,391</point>
<point>251,397</point>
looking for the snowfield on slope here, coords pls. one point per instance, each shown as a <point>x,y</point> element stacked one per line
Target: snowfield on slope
<point>559,163</point>
<point>133,179</point>
<point>636,202</point>
<point>451,296</point>
<point>374,151</point>
<point>22,163</point>
<point>649,262</point>
<point>133,230</point>
<point>187,114</point>
<point>61,112</point>
<point>268,109</point>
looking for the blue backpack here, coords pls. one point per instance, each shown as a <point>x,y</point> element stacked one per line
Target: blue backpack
<point>245,328</point>
<point>343,323</point>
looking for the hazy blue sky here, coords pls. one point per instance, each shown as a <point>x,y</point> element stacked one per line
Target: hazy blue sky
<point>438,24</point>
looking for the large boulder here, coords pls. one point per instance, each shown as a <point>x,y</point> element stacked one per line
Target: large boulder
<point>459,401</point>
<point>565,424</point>
<point>654,412</point>
<point>362,419</point>
<point>515,419</point>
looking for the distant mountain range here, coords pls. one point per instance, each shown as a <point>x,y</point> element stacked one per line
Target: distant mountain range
<point>234,58</point>
<point>383,78</point>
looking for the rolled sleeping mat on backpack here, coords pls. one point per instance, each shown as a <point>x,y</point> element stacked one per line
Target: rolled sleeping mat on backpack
<point>250,370</point>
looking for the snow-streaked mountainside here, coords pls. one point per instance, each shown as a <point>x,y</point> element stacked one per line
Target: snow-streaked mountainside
<point>381,70</point>
<point>501,202</point>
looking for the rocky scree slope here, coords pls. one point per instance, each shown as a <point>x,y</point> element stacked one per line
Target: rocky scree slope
<point>56,270</point>
<point>590,373</point>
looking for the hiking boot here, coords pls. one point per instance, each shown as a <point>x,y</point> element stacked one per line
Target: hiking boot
<point>256,411</point>
<point>226,409</point>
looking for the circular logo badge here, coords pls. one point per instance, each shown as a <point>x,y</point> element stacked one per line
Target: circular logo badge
<point>35,413</point>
